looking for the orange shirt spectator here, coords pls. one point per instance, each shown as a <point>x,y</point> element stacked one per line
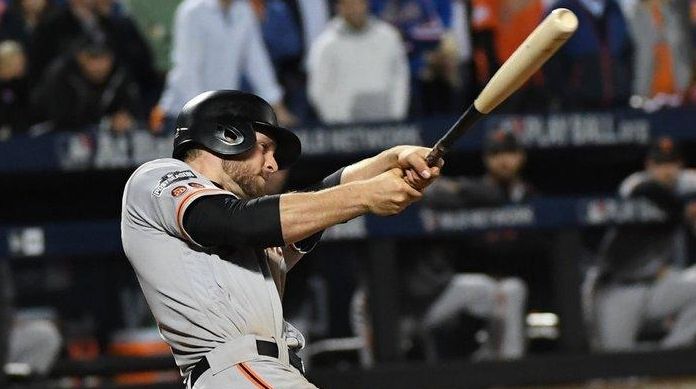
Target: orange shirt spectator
<point>518,18</point>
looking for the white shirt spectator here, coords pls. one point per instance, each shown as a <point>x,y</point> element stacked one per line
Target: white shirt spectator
<point>213,48</point>
<point>359,75</point>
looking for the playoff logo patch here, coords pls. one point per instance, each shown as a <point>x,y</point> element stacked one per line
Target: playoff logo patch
<point>171,178</point>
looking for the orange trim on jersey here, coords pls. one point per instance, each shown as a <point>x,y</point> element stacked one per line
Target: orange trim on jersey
<point>190,197</point>
<point>252,376</point>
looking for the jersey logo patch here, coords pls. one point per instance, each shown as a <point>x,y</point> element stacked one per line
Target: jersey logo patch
<point>178,191</point>
<point>171,178</point>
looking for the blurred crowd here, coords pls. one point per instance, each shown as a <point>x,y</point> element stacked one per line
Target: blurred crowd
<point>67,65</point>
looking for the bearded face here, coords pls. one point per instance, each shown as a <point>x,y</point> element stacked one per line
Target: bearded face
<point>252,181</point>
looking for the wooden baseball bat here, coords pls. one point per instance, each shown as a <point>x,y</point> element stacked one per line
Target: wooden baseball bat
<point>539,46</point>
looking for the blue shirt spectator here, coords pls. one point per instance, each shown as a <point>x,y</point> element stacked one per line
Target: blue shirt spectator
<point>421,23</point>
<point>593,70</point>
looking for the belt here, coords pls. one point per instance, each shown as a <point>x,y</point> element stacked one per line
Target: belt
<point>265,348</point>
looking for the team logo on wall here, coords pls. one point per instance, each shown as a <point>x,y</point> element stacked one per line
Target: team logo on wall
<point>178,191</point>
<point>171,178</point>
<point>195,185</point>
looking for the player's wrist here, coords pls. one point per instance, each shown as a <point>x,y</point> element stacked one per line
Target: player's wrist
<point>358,192</point>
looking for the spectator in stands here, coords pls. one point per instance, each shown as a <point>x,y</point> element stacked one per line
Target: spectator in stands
<point>423,25</point>
<point>641,278</point>
<point>155,20</point>
<point>89,89</point>
<point>358,70</point>
<point>14,99</point>
<point>663,61</point>
<point>485,21</point>
<point>499,27</point>
<point>593,69</point>
<point>462,36</point>
<point>216,43</point>
<point>289,28</point>
<point>54,35</point>
<point>21,18</point>
<point>314,16</point>
<point>131,50</point>
<point>281,27</point>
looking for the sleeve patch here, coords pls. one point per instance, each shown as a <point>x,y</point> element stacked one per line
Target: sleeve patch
<point>171,178</point>
<point>178,191</point>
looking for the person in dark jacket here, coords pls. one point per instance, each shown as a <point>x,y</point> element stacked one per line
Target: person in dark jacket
<point>54,35</point>
<point>594,68</point>
<point>131,49</point>
<point>21,18</point>
<point>14,99</point>
<point>88,89</point>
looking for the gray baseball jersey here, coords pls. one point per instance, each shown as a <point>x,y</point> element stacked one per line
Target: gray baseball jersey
<point>665,245</point>
<point>621,308</point>
<point>201,297</point>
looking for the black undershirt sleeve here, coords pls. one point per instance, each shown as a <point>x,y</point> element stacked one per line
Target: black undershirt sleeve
<point>224,220</point>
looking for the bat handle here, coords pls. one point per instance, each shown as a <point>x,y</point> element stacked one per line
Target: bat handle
<point>435,154</point>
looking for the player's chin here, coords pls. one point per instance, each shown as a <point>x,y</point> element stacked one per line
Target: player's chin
<point>260,187</point>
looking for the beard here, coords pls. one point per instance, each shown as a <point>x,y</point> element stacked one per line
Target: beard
<point>251,183</point>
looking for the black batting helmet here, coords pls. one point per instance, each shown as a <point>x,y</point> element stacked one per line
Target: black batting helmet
<point>224,122</point>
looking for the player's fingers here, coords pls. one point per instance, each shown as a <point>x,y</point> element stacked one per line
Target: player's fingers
<point>409,177</point>
<point>412,192</point>
<point>418,163</point>
<point>417,182</point>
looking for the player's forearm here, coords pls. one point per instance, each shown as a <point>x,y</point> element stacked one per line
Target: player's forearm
<point>372,167</point>
<point>304,214</point>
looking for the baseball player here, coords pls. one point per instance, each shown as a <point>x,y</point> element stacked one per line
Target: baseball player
<point>211,250</point>
<point>641,277</point>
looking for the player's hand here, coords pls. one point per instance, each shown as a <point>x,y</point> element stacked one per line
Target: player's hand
<point>388,193</point>
<point>412,159</point>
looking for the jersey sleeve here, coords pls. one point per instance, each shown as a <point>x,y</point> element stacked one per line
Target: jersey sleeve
<point>158,196</point>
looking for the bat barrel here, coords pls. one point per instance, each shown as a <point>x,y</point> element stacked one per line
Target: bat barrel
<point>539,46</point>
